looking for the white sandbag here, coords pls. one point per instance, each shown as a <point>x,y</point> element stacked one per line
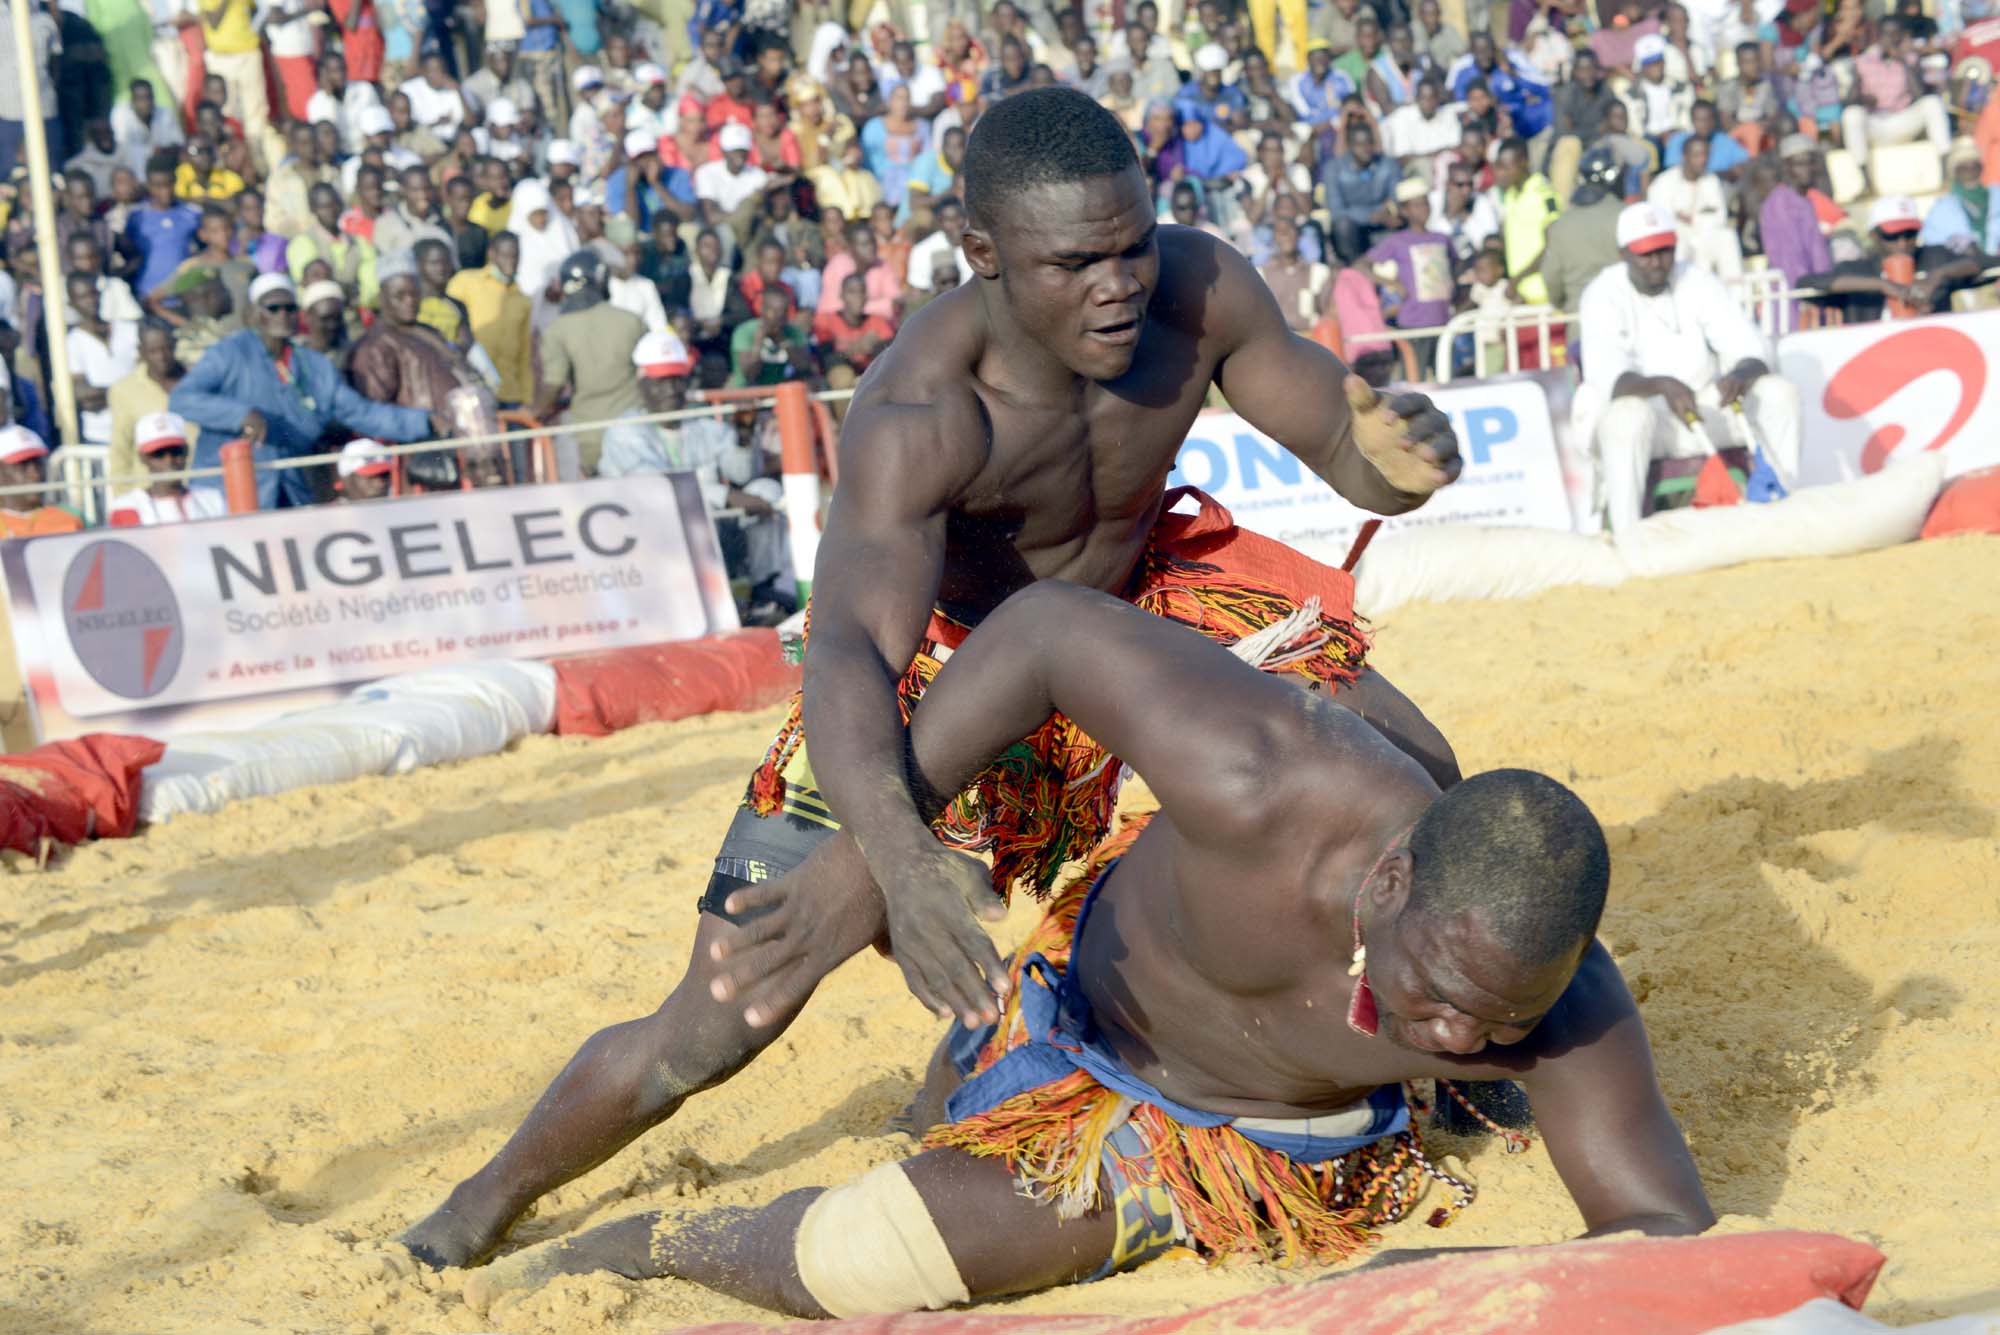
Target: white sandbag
<point>390,727</point>
<point>1880,510</point>
<point>1448,562</point>
<point>475,709</point>
<point>1824,1316</point>
<point>207,771</point>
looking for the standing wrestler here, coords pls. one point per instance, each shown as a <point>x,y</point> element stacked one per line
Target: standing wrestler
<point>1020,428</point>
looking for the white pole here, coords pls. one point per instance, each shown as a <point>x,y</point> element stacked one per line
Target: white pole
<point>55,298</point>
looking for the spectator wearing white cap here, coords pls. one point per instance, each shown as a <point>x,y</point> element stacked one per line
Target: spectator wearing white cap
<point>1668,353</point>
<point>499,137</point>
<point>1422,259</point>
<point>162,442</point>
<point>1207,97</point>
<point>24,463</point>
<point>730,183</point>
<point>585,84</point>
<point>565,159</point>
<point>1662,104</point>
<point>642,185</point>
<point>365,470</point>
<point>330,328</point>
<point>264,386</point>
<point>653,111</point>
<point>1919,279</point>
<point>343,102</point>
<point>496,78</point>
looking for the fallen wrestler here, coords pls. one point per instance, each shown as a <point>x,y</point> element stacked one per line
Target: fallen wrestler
<point>1021,427</point>
<point>1210,1030</point>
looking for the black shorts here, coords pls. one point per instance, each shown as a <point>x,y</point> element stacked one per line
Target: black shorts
<point>763,848</point>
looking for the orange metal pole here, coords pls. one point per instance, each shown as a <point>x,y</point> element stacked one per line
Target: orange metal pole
<point>829,442</point>
<point>799,463</point>
<point>795,431</point>
<point>239,477</point>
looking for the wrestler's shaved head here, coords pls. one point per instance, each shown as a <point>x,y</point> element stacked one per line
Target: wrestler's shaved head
<point>1040,136</point>
<point>1520,852</point>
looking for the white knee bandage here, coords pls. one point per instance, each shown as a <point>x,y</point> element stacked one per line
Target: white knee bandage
<point>871,1246</point>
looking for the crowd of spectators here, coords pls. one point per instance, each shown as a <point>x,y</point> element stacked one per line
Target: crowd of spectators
<point>310,222</point>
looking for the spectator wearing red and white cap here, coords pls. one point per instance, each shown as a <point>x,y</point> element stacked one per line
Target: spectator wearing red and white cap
<point>365,469</point>
<point>664,364</point>
<point>162,442</point>
<point>1670,352</point>
<point>731,470</point>
<point>24,463</point>
<point>1899,271</point>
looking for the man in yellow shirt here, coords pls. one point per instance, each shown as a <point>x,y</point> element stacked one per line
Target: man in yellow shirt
<point>496,196</point>
<point>199,178</point>
<point>235,54</point>
<point>142,391</point>
<point>500,312</point>
<point>849,187</point>
<point>1528,205</point>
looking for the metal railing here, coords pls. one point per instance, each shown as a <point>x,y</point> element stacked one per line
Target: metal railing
<point>81,472</point>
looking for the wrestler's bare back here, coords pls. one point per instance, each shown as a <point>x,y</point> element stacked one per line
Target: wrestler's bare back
<point>1233,1000</point>
<point>1047,490</point>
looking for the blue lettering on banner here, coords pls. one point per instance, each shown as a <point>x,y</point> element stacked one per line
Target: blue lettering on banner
<point>1253,453</point>
<point>1483,428</point>
<point>1215,467</point>
<point>1205,464</point>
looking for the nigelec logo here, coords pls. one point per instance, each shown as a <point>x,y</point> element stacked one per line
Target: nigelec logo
<point>123,619</point>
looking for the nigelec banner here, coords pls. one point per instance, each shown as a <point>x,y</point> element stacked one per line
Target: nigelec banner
<point>112,621</point>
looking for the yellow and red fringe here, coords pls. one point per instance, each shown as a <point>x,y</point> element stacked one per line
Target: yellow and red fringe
<point>1048,799</point>
<point>1236,1197</point>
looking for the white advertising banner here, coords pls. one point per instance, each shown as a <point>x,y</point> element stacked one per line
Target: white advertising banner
<point>1896,386</point>
<point>112,622</point>
<point>1512,474</point>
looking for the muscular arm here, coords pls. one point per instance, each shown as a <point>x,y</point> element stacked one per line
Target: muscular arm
<point>903,467</point>
<point>1205,731</point>
<point>1588,1071</point>
<point>1386,459</point>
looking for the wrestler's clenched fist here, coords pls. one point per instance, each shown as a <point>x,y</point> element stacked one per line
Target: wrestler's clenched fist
<point>1407,438</point>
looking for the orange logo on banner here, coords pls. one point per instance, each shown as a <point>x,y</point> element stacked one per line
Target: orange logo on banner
<point>1872,376</point>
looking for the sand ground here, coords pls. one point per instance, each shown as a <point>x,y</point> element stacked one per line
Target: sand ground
<point>240,1051</point>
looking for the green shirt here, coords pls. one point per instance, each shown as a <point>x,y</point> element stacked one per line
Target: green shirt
<point>775,362</point>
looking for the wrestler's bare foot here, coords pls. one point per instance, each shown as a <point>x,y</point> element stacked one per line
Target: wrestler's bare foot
<point>465,1231</point>
<point>622,1247</point>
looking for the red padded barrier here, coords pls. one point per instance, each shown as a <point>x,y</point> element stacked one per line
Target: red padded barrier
<point>1659,1286</point>
<point>620,688</point>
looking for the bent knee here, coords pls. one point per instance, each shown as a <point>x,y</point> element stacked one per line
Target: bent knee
<point>871,1246</point>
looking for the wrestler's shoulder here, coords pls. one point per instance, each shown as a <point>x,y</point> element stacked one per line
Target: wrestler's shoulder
<point>921,388</point>
<point>1207,289</point>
